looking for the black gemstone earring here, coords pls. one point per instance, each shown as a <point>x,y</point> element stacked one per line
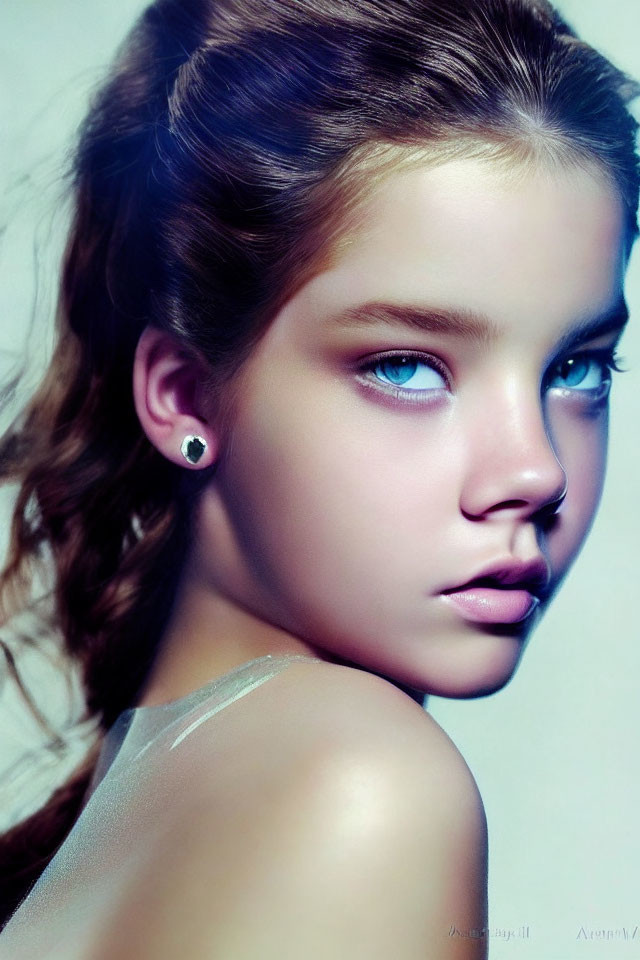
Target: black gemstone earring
<point>193,447</point>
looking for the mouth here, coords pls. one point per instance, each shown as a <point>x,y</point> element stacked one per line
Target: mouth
<point>492,604</point>
<point>509,591</point>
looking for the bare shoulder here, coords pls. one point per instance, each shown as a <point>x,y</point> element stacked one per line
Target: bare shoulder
<point>365,756</point>
<point>334,719</point>
<point>362,835</point>
<point>318,718</point>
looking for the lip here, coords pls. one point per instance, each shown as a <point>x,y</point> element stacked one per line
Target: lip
<point>506,591</point>
<point>532,576</point>
<point>493,604</point>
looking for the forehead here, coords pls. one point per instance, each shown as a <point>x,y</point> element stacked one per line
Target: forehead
<point>531,247</point>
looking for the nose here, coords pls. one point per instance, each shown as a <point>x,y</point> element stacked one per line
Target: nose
<point>512,464</point>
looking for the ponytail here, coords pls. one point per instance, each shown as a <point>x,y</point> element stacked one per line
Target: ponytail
<point>114,513</point>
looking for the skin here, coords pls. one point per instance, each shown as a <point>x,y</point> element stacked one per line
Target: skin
<point>338,511</point>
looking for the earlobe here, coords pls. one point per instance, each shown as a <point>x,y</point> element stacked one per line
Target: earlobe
<point>166,398</point>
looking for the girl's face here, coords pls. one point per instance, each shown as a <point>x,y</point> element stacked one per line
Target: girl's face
<point>413,415</point>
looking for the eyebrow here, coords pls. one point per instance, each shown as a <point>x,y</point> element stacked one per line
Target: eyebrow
<point>471,325</point>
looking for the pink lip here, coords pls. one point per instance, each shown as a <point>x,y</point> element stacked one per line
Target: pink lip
<point>493,604</point>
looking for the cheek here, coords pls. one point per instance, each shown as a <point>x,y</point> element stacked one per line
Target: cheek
<point>580,441</point>
<point>339,491</point>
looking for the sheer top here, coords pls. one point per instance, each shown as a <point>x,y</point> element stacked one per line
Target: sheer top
<point>131,788</point>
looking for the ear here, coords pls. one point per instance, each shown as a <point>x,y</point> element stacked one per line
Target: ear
<point>167,397</point>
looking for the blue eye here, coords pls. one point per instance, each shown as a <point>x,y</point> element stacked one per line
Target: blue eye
<point>586,371</point>
<point>419,378</point>
<point>406,370</point>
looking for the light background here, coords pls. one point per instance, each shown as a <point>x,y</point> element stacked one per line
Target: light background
<point>556,752</point>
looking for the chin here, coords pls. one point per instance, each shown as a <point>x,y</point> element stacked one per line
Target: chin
<point>473,670</point>
<point>485,688</point>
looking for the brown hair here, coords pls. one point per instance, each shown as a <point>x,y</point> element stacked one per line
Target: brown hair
<point>213,168</point>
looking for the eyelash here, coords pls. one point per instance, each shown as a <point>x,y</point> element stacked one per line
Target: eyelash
<point>608,359</point>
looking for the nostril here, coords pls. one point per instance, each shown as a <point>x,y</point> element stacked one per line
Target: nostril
<point>549,512</point>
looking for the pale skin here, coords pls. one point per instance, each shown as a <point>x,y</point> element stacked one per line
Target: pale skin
<point>340,507</point>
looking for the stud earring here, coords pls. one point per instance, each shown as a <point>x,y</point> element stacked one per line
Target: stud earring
<point>193,447</point>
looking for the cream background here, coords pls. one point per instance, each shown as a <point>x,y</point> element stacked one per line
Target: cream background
<point>556,752</point>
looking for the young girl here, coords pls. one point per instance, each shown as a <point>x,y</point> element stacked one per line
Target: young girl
<point>324,429</point>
